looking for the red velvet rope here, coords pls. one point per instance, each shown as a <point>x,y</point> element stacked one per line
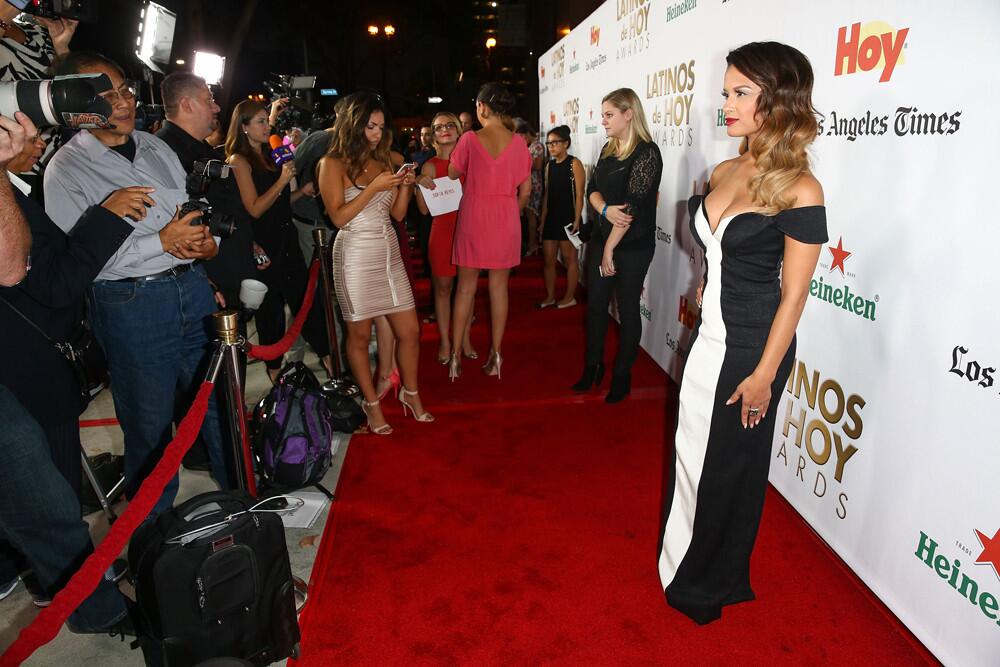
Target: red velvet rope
<point>48,622</point>
<point>270,352</point>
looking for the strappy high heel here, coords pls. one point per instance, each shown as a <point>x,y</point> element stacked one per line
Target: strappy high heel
<point>423,417</point>
<point>493,364</point>
<point>393,380</point>
<point>384,429</point>
<point>454,367</point>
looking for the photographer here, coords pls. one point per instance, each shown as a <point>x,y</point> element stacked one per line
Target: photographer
<point>192,114</point>
<point>150,306</point>
<point>39,512</point>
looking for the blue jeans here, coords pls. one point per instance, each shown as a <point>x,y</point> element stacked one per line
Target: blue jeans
<point>156,335</point>
<point>40,516</point>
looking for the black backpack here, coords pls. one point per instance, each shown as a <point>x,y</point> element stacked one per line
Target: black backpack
<point>212,579</point>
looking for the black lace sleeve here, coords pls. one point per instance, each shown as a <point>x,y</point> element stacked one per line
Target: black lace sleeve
<point>644,176</point>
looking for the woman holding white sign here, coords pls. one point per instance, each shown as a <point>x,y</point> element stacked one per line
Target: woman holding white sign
<point>761,226</point>
<point>447,129</point>
<point>623,190</point>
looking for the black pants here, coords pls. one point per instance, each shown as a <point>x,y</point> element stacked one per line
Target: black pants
<point>630,272</point>
<point>286,281</point>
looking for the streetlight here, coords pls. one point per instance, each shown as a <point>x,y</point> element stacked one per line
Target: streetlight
<point>491,42</point>
<point>389,30</point>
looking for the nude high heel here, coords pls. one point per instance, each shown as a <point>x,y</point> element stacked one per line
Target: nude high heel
<point>454,367</point>
<point>493,364</point>
<point>384,429</point>
<point>403,393</point>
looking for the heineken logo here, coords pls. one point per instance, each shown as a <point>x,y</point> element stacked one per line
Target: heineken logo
<point>950,570</point>
<point>844,298</point>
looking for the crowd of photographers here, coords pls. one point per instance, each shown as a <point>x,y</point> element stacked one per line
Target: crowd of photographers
<point>135,239</point>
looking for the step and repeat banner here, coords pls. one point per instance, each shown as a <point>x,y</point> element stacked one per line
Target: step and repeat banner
<point>887,439</point>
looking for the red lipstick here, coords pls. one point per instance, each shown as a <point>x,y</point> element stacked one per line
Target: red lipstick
<point>731,121</point>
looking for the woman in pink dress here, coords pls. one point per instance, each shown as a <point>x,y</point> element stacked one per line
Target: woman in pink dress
<point>497,169</point>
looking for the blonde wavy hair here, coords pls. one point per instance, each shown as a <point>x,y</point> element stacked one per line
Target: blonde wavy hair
<point>624,99</point>
<point>787,119</point>
<point>349,142</point>
<point>451,117</point>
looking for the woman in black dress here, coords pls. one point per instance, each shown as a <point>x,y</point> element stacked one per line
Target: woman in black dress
<point>264,191</point>
<point>761,226</point>
<point>623,190</point>
<point>562,206</point>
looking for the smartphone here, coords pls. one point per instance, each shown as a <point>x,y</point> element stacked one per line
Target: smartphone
<point>409,166</point>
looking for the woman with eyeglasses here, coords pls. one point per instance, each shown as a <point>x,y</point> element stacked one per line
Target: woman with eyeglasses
<point>266,195</point>
<point>623,191</point>
<point>562,208</point>
<point>497,170</point>
<point>447,129</point>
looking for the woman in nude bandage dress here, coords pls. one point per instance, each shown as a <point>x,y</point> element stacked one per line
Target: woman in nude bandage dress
<point>360,192</point>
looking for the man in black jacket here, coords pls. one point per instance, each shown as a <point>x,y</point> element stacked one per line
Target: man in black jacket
<point>192,115</point>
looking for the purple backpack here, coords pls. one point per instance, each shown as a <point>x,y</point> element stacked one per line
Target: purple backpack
<point>293,431</point>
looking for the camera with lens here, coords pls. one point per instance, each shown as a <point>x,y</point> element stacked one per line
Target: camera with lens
<point>79,10</point>
<point>71,101</point>
<point>148,115</point>
<point>203,173</point>
<point>299,112</point>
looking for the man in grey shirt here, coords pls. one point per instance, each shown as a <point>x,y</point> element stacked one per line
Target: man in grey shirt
<point>150,306</point>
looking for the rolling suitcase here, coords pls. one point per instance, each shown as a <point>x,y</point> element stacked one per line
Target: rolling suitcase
<point>212,580</point>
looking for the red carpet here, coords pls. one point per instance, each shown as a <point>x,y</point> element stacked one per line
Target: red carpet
<point>521,528</point>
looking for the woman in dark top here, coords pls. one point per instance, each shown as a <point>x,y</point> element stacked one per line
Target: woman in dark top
<point>264,190</point>
<point>623,190</point>
<point>562,206</point>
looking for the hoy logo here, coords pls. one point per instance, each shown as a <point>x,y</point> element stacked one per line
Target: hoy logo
<point>872,45</point>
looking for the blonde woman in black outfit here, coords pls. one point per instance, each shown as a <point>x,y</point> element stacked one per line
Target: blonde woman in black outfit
<point>622,190</point>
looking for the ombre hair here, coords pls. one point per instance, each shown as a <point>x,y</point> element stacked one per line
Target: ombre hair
<point>236,139</point>
<point>624,99</point>
<point>787,119</point>
<point>349,143</point>
<point>452,118</point>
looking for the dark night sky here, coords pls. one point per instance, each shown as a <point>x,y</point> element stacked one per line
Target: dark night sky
<point>435,40</point>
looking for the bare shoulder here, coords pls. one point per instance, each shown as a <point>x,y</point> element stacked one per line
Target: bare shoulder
<point>237,160</point>
<point>721,171</point>
<point>428,169</point>
<point>807,191</point>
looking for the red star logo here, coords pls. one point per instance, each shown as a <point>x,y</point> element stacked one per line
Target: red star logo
<point>991,551</point>
<point>542,69</point>
<point>839,255</point>
<point>591,114</point>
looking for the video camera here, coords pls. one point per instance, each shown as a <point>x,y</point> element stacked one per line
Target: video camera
<point>79,10</point>
<point>147,115</point>
<point>71,101</point>
<point>203,172</point>
<point>299,112</point>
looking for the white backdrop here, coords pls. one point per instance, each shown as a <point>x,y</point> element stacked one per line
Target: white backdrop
<point>887,436</point>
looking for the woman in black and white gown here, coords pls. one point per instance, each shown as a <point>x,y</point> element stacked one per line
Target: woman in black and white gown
<point>761,226</point>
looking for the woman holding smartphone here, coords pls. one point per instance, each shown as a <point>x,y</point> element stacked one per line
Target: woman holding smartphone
<point>360,191</point>
<point>623,191</point>
<point>562,206</point>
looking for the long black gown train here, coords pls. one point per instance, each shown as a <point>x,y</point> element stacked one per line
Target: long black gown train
<point>716,490</point>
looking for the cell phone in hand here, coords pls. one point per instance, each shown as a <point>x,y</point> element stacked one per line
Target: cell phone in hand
<point>409,166</point>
